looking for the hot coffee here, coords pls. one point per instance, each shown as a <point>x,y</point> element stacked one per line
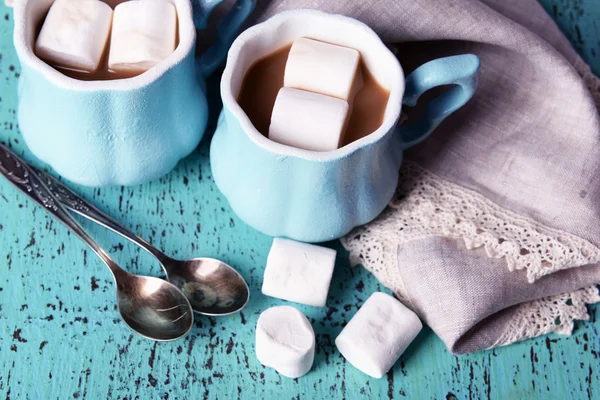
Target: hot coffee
<point>265,78</point>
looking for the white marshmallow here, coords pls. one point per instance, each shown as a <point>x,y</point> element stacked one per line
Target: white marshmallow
<point>322,68</point>
<point>74,34</point>
<point>308,120</point>
<point>298,272</point>
<point>285,341</point>
<point>378,334</point>
<point>143,34</point>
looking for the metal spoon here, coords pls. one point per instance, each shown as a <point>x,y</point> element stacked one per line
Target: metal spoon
<point>151,307</point>
<point>211,286</point>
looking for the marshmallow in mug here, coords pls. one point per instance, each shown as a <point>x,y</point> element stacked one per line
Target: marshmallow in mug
<point>75,34</point>
<point>378,334</point>
<point>307,120</point>
<point>298,272</point>
<point>143,34</point>
<point>285,341</point>
<point>323,68</point>
<point>311,110</point>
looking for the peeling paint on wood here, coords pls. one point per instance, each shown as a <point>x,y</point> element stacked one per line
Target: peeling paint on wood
<point>61,336</point>
<point>579,20</point>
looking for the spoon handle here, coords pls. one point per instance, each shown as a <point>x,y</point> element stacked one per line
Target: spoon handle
<point>75,203</point>
<point>21,175</point>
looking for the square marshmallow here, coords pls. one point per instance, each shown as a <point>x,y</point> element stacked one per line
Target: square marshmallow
<point>322,68</point>
<point>143,34</point>
<point>308,120</point>
<point>298,272</point>
<point>378,334</point>
<point>74,34</point>
<point>285,341</point>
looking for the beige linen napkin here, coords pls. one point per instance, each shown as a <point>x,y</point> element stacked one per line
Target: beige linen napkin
<point>494,235</point>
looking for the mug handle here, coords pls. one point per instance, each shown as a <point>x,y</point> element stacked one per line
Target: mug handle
<point>227,29</point>
<point>462,71</point>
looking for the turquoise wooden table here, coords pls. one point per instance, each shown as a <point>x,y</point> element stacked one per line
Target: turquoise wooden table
<point>61,336</point>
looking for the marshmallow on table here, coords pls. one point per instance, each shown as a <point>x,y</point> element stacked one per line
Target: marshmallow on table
<point>322,68</point>
<point>143,34</point>
<point>378,334</point>
<point>308,120</point>
<point>298,272</point>
<point>285,341</point>
<point>74,34</point>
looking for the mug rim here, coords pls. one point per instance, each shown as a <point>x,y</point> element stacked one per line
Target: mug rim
<point>394,105</point>
<point>26,54</point>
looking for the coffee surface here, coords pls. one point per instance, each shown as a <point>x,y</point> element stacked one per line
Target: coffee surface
<point>265,77</point>
<point>103,73</point>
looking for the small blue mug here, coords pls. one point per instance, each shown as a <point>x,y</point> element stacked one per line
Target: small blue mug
<point>318,196</point>
<point>127,131</point>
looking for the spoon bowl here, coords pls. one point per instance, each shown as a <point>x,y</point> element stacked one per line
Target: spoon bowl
<point>154,308</point>
<point>211,286</point>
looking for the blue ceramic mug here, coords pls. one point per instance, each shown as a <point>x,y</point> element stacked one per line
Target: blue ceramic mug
<point>126,131</point>
<point>317,196</point>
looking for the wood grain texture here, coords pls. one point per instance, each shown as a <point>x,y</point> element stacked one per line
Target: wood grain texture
<point>61,336</point>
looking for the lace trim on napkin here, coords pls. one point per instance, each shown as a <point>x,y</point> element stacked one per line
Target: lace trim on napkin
<point>550,314</point>
<point>426,205</point>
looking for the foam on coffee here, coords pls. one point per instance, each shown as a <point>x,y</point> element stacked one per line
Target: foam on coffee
<point>265,78</point>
